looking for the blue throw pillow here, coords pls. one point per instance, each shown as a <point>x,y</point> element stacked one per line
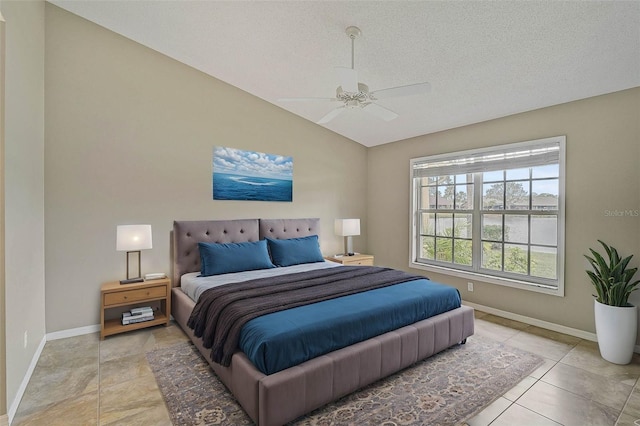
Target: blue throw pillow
<point>295,251</point>
<point>216,259</point>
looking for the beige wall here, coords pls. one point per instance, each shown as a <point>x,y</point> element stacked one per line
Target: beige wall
<point>3,346</point>
<point>129,139</point>
<point>602,170</point>
<point>24,187</point>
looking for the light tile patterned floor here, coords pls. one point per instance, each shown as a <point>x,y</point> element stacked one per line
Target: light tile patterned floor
<point>85,381</point>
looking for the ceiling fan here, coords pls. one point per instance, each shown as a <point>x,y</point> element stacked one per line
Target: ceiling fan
<point>354,94</point>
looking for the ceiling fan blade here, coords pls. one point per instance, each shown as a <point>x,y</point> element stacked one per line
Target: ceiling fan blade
<point>331,115</point>
<point>411,89</point>
<point>348,79</point>
<point>306,99</point>
<point>380,112</point>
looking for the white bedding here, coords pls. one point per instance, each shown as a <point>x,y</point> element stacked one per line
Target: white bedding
<point>194,286</point>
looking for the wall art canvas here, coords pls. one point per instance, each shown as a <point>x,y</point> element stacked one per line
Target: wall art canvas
<point>251,175</point>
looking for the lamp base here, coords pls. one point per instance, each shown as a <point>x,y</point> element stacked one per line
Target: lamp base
<point>348,246</point>
<point>132,280</point>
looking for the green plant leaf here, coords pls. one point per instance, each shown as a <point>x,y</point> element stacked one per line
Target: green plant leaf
<point>611,277</point>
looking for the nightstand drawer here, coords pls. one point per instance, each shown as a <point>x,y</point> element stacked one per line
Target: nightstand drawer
<point>128,296</point>
<point>360,262</point>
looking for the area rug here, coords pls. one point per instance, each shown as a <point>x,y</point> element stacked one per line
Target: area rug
<point>446,389</point>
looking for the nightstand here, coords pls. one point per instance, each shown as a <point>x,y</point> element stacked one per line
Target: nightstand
<point>116,298</point>
<point>355,260</point>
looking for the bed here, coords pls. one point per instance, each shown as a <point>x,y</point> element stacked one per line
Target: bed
<point>283,396</point>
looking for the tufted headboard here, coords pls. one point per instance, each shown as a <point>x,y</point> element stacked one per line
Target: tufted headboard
<point>187,234</point>
<point>281,229</point>
<point>185,256</point>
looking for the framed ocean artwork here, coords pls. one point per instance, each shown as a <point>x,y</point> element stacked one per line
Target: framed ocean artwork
<point>251,175</point>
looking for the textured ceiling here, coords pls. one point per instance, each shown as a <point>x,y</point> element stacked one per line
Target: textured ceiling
<point>484,60</point>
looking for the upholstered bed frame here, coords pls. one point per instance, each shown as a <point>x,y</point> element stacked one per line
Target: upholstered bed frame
<point>281,397</point>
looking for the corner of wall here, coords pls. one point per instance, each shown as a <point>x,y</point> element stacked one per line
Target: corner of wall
<point>3,345</point>
<point>23,191</point>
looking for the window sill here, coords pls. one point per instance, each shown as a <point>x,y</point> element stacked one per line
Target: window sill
<point>522,285</point>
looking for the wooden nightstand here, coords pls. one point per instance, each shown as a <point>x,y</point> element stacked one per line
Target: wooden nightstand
<point>355,260</point>
<point>116,297</point>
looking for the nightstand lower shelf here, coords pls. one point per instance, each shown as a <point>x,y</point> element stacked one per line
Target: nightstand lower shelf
<point>114,326</point>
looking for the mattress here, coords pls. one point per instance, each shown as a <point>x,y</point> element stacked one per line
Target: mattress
<point>193,285</point>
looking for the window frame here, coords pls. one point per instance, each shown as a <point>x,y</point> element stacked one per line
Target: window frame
<point>475,272</point>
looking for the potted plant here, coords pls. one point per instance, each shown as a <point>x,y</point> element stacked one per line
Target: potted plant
<point>616,318</point>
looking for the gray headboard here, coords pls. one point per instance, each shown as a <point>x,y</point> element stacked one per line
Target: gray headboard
<point>281,229</point>
<point>185,256</point>
<point>187,234</point>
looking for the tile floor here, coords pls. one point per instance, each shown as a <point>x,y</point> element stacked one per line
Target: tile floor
<point>85,381</point>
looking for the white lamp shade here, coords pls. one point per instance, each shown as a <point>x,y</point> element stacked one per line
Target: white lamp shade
<point>347,227</point>
<point>133,237</point>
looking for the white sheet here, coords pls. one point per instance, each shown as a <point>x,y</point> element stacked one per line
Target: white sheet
<point>194,286</point>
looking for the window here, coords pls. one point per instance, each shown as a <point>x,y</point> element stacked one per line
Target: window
<point>495,212</point>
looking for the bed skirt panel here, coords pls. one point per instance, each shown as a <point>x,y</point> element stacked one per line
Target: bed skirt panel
<point>282,397</point>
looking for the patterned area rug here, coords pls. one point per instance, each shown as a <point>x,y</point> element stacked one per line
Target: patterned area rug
<point>446,389</point>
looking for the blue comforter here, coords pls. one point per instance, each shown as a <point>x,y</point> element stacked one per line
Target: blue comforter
<point>280,340</point>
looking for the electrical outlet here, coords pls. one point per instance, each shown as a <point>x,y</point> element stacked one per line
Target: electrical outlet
<point>470,286</point>
<point>25,340</point>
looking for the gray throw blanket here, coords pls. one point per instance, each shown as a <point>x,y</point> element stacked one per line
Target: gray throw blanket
<point>221,312</point>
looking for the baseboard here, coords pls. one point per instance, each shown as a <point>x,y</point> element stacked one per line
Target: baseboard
<point>538,323</point>
<point>4,420</point>
<point>62,334</point>
<point>25,381</point>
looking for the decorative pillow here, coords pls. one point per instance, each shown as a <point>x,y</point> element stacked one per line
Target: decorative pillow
<point>216,259</point>
<point>295,251</point>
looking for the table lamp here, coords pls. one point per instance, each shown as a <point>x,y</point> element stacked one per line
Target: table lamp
<point>132,239</point>
<point>347,228</point>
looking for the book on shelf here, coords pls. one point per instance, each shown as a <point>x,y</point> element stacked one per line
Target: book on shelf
<point>135,315</point>
<point>143,309</point>
<point>134,320</point>
<point>138,314</point>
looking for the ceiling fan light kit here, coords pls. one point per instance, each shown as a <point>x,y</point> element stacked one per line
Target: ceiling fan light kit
<point>362,95</point>
<point>355,95</point>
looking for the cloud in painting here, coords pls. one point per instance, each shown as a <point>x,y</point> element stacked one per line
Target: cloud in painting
<point>252,163</point>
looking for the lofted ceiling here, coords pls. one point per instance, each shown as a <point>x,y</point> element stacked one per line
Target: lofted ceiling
<point>484,60</point>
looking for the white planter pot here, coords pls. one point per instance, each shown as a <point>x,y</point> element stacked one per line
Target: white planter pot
<point>616,329</point>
